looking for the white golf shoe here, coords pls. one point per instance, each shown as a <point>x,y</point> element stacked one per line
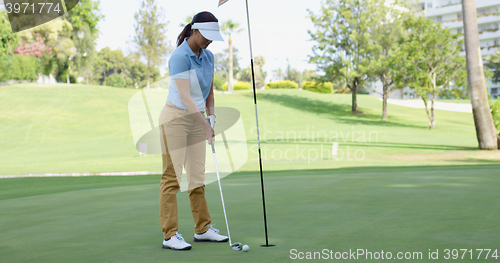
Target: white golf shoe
<point>176,242</point>
<point>211,235</point>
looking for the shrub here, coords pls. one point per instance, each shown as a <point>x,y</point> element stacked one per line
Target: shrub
<point>24,68</point>
<point>240,85</point>
<point>64,77</point>
<point>8,42</point>
<point>319,87</point>
<point>218,83</point>
<point>129,82</point>
<point>344,90</point>
<point>284,84</point>
<point>495,112</point>
<point>72,78</point>
<point>115,80</point>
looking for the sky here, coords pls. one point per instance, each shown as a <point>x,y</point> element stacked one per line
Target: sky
<point>278,28</point>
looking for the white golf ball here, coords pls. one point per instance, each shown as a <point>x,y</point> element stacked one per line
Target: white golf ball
<point>246,248</point>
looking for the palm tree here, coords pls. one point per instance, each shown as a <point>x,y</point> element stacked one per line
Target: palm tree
<point>228,28</point>
<point>485,128</point>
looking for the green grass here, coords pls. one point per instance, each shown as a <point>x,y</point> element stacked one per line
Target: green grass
<point>78,128</point>
<point>413,190</point>
<point>115,219</point>
<point>63,128</point>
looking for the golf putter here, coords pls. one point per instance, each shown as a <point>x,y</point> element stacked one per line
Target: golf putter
<point>237,245</point>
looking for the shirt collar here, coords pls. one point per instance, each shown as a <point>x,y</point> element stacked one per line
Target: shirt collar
<point>190,51</point>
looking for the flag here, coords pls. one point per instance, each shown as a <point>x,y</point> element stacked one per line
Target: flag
<point>221,2</point>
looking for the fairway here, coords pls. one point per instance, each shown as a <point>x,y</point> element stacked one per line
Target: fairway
<point>115,219</point>
<point>86,129</point>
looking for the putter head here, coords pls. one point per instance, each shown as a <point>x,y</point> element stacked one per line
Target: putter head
<point>236,246</point>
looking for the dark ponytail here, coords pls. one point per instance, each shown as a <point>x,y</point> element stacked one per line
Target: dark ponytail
<point>185,33</point>
<point>198,18</point>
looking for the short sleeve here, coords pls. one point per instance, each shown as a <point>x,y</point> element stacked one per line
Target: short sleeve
<point>178,66</point>
<point>211,60</point>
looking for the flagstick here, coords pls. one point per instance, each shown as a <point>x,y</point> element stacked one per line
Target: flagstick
<point>257,122</point>
<point>258,136</point>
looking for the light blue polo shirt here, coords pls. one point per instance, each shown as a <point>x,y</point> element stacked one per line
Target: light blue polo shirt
<point>184,64</point>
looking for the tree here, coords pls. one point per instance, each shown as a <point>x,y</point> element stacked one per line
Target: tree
<point>110,62</point>
<point>85,52</point>
<point>113,63</point>
<point>433,61</point>
<point>229,27</point>
<point>343,43</point>
<point>260,74</point>
<point>150,38</point>
<point>62,35</point>
<point>115,80</point>
<point>222,61</point>
<point>8,41</point>
<point>86,14</point>
<point>293,74</point>
<point>485,128</point>
<point>137,73</point>
<point>386,29</point>
<point>57,34</point>
<point>84,17</point>
<point>340,86</point>
<point>492,62</point>
<point>309,75</point>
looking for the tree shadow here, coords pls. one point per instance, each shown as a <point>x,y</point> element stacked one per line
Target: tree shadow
<point>372,169</point>
<point>336,111</point>
<point>372,144</point>
<point>475,161</point>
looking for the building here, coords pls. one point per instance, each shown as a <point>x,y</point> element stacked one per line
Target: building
<point>449,14</point>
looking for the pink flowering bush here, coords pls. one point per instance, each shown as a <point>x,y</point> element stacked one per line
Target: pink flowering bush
<point>34,47</point>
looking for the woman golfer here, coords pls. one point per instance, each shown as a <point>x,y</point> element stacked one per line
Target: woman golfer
<point>183,130</point>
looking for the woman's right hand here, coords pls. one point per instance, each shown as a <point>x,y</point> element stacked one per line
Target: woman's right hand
<point>209,133</point>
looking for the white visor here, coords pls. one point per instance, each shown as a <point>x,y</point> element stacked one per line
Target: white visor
<point>209,30</point>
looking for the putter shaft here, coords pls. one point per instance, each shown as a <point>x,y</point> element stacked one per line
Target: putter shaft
<point>221,195</point>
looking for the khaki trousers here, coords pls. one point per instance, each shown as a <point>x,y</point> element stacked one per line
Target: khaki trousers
<point>183,144</point>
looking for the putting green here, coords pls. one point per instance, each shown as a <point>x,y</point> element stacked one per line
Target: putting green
<point>115,219</point>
